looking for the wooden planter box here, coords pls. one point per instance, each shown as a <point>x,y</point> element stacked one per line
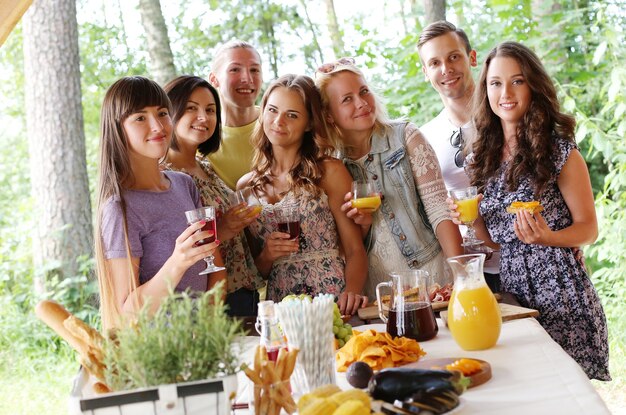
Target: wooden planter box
<point>189,398</point>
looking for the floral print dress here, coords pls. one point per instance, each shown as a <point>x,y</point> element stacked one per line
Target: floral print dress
<point>240,269</point>
<point>548,278</point>
<point>317,267</point>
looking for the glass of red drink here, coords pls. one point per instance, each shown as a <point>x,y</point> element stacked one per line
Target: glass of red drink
<point>207,214</point>
<point>287,219</point>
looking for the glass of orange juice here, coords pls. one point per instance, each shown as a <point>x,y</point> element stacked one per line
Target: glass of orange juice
<point>365,196</point>
<point>466,201</point>
<point>246,196</point>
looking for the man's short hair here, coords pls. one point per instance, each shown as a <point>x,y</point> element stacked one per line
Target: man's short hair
<point>440,28</point>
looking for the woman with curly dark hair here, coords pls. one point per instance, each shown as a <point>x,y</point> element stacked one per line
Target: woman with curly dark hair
<point>292,165</point>
<point>525,151</point>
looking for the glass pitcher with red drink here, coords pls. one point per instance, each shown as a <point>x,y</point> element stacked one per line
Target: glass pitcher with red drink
<point>410,313</point>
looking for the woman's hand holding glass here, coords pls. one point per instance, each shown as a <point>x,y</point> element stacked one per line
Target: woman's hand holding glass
<point>365,197</point>
<point>362,217</point>
<point>466,205</point>
<point>189,248</point>
<point>205,216</point>
<point>244,209</point>
<point>279,244</point>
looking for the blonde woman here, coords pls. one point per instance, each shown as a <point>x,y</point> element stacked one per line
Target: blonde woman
<point>412,229</point>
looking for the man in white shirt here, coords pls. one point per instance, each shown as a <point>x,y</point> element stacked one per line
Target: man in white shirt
<point>447,58</point>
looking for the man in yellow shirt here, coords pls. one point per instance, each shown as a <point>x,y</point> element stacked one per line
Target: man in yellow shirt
<point>236,73</point>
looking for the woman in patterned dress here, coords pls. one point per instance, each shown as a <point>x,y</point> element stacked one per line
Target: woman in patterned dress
<point>292,165</point>
<point>197,117</point>
<point>524,151</point>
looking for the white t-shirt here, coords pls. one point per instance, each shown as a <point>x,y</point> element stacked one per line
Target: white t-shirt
<point>438,132</point>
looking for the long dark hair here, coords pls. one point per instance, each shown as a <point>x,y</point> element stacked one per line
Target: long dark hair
<point>179,90</point>
<point>307,174</point>
<point>534,151</point>
<point>125,97</point>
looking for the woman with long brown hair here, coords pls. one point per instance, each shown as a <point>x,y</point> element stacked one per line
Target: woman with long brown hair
<point>197,134</point>
<point>525,151</point>
<point>292,165</point>
<point>143,244</point>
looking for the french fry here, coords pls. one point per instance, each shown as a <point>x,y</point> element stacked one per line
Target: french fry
<point>265,399</point>
<point>291,363</point>
<point>280,362</point>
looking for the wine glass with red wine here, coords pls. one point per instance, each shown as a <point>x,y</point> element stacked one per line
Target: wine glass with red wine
<point>288,220</point>
<point>208,214</point>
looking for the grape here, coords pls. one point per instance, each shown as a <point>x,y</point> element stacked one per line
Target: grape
<point>341,330</point>
<point>342,333</point>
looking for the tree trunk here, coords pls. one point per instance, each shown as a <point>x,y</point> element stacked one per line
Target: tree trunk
<point>311,28</point>
<point>271,47</point>
<point>333,29</point>
<point>161,58</point>
<point>414,13</point>
<point>435,10</point>
<point>56,140</point>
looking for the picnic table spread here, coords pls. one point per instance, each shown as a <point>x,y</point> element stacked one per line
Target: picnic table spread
<point>531,374</point>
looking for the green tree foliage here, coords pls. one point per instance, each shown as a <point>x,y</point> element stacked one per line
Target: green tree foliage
<point>270,25</point>
<point>581,44</point>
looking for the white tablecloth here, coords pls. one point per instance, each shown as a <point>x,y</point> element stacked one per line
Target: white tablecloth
<point>531,373</point>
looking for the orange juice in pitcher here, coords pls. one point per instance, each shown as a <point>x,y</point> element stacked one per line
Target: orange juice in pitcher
<point>473,313</point>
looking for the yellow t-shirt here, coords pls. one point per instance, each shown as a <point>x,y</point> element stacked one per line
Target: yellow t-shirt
<point>234,157</point>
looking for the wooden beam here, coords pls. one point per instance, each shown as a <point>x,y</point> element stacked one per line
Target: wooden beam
<point>11,11</point>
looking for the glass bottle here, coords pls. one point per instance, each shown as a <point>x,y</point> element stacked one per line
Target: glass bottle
<point>268,328</point>
<point>473,313</point>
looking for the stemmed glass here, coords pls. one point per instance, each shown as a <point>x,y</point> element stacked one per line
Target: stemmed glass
<point>365,196</point>
<point>246,195</point>
<point>466,201</point>
<point>207,214</point>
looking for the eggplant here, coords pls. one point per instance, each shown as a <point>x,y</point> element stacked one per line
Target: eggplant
<point>389,409</point>
<point>394,384</point>
<point>438,402</point>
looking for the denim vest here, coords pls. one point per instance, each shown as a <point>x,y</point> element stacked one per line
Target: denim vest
<point>388,165</point>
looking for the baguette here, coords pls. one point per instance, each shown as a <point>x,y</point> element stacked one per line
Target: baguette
<point>54,314</point>
<point>83,338</point>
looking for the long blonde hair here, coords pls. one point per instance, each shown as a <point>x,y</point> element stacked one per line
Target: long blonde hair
<point>323,78</point>
<point>307,173</point>
<point>125,97</point>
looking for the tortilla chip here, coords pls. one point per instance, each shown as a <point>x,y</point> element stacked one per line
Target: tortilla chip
<point>378,350</point>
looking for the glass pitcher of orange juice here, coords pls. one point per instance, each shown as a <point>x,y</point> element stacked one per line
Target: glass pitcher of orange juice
<point>473,313</point>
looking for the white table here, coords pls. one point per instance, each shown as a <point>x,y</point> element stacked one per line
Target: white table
<point>531,373</point>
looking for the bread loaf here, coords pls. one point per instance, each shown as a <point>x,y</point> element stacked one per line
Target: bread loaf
<point>54,314</point>
<point>530,207</point>
<point>83,338</point>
